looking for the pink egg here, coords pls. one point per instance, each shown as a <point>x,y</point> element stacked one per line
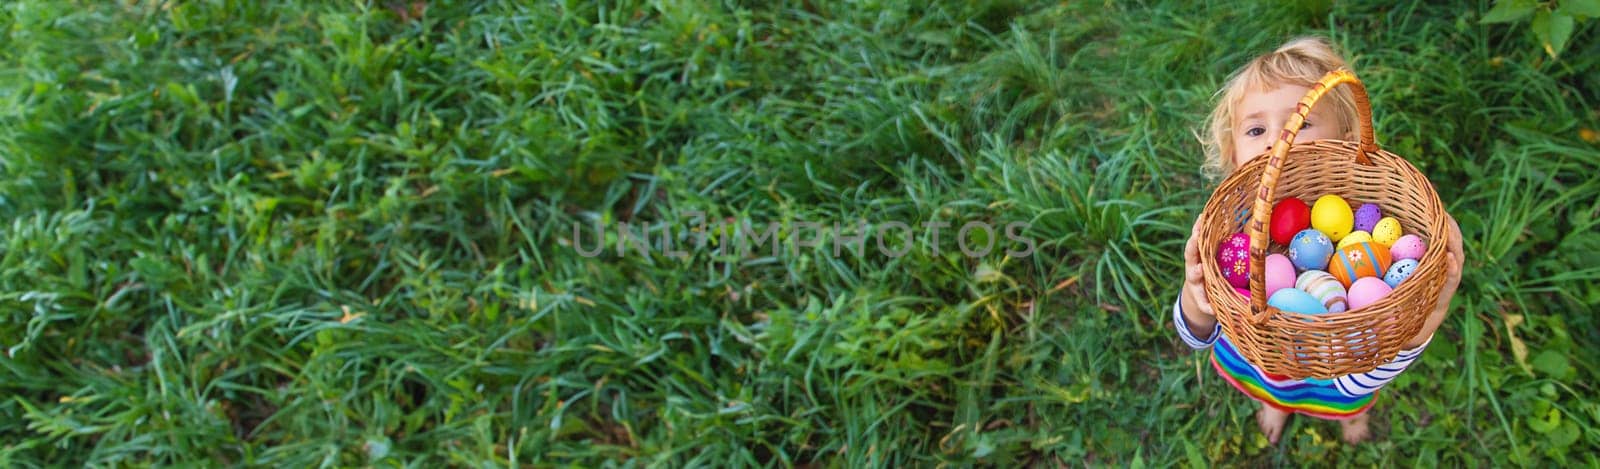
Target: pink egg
<point>1408,247</point>
<point>1366,291</point>
<point>1245,292</point>
<point>1233,258</point>
<point>1280,273</point>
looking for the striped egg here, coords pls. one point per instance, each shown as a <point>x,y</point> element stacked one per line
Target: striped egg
<point>1358,261</point>
<point>1326,289</point>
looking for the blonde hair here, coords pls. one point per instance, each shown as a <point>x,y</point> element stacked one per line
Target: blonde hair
<point>1301,61</point>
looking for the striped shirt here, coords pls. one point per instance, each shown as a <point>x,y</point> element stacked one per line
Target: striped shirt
<point>1339,398</point>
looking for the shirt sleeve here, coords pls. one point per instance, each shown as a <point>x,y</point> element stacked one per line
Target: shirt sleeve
<point>1183,328</point>
<point>1361,384</point>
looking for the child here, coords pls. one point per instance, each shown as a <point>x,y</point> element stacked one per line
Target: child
<point>1255,103</point>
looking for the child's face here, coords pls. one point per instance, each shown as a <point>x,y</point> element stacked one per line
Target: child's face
<point>1261,116</point>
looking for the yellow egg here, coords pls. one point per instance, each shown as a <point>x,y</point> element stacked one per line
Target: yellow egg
<point>1387,231</point>
<point>1354,237</point>
<point>1331,215</point>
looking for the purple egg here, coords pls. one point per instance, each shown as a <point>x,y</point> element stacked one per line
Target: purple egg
<point>1367,217</point>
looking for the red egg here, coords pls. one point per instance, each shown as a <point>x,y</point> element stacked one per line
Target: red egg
<point>1289,216</point>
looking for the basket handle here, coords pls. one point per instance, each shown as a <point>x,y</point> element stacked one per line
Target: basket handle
<point>1261,215</point>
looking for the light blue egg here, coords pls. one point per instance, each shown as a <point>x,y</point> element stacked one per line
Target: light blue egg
<point>1399,272</point>
<point>1310,250</point>
<point>1295,300</point>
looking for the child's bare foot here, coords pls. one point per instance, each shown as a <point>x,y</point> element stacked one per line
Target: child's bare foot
<point>1272,420</point>
<point>1355,429</point>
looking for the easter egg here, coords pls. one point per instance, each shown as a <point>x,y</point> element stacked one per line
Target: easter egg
<point>1355,237</point>
<point>1309,250</point>
<point>1399,272</point>
<point>1387,231</point>
<point>1366,291</point>
<point>1322,286</point>
<point>1233,257</point>
<point>1367,217</point>
<point>1408,247</point>
<point>1331,215</point>
<point>1289,216</point>
<point>1357,261</point>
<point>1245,292</point>
<point>1296,301</point>
<point>1280,273</point>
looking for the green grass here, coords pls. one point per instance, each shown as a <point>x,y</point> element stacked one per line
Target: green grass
<point>305,234</point>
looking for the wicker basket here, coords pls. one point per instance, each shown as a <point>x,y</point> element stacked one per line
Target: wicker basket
<point>1323,346</point>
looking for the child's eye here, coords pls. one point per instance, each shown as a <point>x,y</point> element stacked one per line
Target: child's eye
<point>1306,125</point>
<point>1255,131</point>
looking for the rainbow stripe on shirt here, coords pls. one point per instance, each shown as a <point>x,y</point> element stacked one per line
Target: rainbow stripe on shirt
<point>1316,398</point>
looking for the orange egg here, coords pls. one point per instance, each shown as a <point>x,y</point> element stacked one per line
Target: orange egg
<point>1358,260</point>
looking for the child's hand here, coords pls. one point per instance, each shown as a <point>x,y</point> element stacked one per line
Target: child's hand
<point>1196,308</point>
<point>1452,279</point>
<point>1452,276</point>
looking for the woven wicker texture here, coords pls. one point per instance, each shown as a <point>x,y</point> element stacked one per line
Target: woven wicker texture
<point>1323,346</point>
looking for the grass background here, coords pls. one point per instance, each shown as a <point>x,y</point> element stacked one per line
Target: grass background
<point>298,233</point>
